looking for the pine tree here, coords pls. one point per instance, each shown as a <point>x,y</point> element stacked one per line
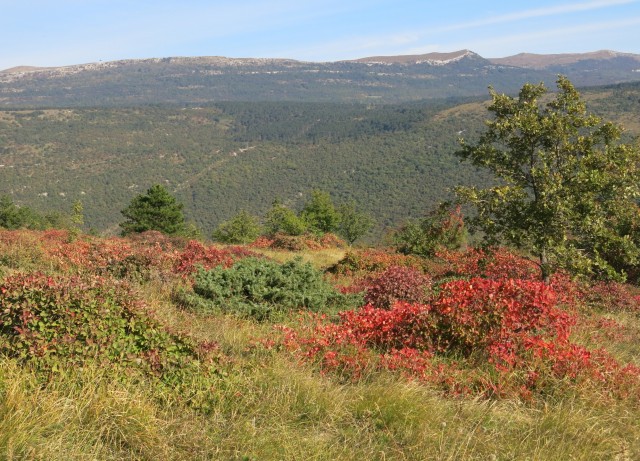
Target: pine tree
<point>155,210</point>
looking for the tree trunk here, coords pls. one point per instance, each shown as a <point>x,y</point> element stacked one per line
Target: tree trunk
<point>545,270</point>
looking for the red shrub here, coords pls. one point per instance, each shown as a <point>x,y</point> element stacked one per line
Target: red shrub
<point>196,254</point>
<point>332,347</point>
<point>403,325</point>
<point>398,283</point>
<point>569,292</point>
<point>21,249</point>
<point>330,240</point>
<point>478,313</point>
<point>300,242</point>
<point>262,242</point>
<point>499,338</point>
<point>372,261</point>
<point>612,296</point>
<point>498,263</point>
<point>120,257</point>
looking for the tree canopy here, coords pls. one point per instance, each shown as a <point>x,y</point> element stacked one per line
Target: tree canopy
<point>281,219</point>
<point>566,187</point>
<point>157,210</point>
<point>320,212</point>
<point>442,228</point>
<point>354,223</point>
<point>242,228</point>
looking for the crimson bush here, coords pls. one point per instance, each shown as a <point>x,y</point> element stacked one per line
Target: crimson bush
<point>398,283</point>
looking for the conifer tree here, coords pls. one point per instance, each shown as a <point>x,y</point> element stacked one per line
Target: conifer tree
<point>157,210</point>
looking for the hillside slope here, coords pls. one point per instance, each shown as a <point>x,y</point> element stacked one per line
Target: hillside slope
<point>374,79</point>
<point>395,161</point>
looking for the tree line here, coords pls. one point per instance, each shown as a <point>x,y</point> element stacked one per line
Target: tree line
<point>565,191</point>
<point>158,210</point>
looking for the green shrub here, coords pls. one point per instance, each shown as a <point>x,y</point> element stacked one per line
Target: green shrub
<point>54,322</point>
<point>156,210</point>
<point>320,213</point>
<point>441,229</point>
<point>280,219</point>
<point>242,228</point>
<point>258,288</point>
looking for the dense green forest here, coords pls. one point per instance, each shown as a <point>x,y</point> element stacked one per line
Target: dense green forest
<point>395,161</point>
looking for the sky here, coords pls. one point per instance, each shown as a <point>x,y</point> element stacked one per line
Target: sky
<point>66,32</point>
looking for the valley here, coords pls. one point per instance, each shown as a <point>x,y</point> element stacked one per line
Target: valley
<point>394,160</point>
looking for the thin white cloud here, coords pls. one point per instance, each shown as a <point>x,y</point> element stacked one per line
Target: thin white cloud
<point>356,47</point>
<point>517,41</point>
<point>226,27</point>
<point>413,42</point>
<point>536,13</point>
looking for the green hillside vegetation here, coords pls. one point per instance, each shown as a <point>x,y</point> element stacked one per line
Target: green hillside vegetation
<point>185,80</point>
<point>394,161</point>
<point>218,160</point>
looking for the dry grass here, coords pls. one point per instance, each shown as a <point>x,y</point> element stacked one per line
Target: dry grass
<point>320,259</point>
<point>266,406</point>
<point>271,409</point>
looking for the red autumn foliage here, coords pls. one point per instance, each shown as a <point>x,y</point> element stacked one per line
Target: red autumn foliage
<point>398,283</point>
<point>511,331</point>
<point>299,242</point>
<point>373,261</point>
<point>614,296</point>
<point>198,255</point>
<point>497,263</point>
<point>404,325</point>
<point>120,257</point>
<point>480,313</point>
<point>480,323</point>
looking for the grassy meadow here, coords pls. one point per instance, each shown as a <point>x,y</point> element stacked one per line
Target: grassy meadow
<point>114,349</point>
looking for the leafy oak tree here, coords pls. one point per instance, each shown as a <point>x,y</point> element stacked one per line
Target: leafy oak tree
<point>157,210</point>
<point>13,216</point>
<point>354,224</point>
<point>442,228</point>
<point>242,228</point>
<point>281,219</point>
<point>565,183</point>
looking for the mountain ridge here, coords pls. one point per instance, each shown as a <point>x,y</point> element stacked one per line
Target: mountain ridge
<point>542,61</point>
<point>376,79</point>
<point>429,58</point>
<point>524,59</point>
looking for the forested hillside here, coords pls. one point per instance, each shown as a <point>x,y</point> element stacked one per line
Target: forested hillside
<point>391,79</point>
<point>395,161</point>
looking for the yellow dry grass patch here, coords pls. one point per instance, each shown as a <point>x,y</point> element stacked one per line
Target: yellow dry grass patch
<point>320,259</point>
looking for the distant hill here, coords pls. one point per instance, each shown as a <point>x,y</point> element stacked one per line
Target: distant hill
<point>395,160</point>
<point>227,134</point>
<point>434,59</point>
<point>547,61</point>
<point>382,79</point>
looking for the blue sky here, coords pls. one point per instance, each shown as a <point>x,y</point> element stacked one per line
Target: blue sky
<point>65,32</point>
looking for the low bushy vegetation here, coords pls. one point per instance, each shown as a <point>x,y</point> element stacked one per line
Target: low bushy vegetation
<point>55,322</point>
<point>258,287</point>
<point>159,347</point>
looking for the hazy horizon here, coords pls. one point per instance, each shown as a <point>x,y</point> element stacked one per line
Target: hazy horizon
<point>68,32</point>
